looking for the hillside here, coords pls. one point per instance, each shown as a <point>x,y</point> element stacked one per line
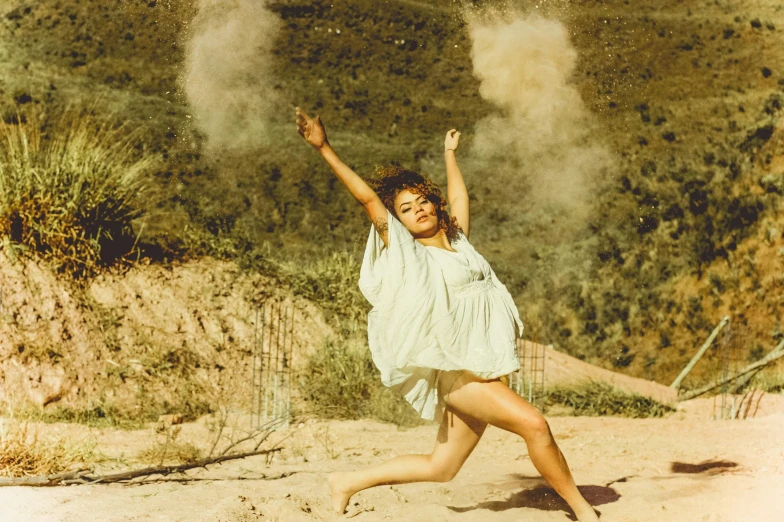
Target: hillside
<point>680,226</point>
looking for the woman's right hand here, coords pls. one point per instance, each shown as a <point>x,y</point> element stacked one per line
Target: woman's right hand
<point>311,129</point>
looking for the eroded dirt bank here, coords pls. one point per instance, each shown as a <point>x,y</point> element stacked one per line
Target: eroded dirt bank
<point>156,339</point>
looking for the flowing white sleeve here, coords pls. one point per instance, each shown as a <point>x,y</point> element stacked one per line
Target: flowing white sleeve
<point>408,296</point>
<point>393,271</point>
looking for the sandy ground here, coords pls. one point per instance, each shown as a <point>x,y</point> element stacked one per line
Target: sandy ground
<point>678,468</point>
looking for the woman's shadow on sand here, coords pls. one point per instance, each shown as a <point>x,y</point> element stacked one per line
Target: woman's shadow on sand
<point>544,498</point>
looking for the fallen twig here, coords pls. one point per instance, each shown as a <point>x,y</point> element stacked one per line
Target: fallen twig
<point>186,479</point>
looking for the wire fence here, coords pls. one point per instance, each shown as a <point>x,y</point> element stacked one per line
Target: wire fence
<point>528,381</point>
<point>273,337</point>
<point>726,404</point>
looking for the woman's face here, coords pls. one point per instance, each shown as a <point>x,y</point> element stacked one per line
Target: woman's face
<point>417,213</point>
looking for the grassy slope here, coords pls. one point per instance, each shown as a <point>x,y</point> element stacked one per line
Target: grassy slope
<point>634,294</point>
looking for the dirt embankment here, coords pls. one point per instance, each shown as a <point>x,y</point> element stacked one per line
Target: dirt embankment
<point>157,339</point>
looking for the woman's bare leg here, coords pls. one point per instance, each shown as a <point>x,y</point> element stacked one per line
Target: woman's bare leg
<point>457,438</point>
<point>473,404</point>
<point>494,403</point>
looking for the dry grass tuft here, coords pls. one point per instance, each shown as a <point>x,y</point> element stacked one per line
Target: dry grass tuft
<point>770,382</point>
<point>24,453</point>
<point>166,449</point>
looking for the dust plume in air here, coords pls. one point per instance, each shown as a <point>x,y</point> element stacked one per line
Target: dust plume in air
<point>227,77</point>
<point>542,141</point>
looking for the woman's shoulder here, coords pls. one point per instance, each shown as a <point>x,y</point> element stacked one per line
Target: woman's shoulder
<point>462,244</point>
<point>460,238</point>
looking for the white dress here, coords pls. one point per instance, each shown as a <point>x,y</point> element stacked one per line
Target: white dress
<point>433,311</point>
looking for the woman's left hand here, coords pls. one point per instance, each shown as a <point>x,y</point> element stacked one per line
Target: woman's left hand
<point>452,137</point>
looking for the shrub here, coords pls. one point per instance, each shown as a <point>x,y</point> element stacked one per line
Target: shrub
<point>70,189</point>
<point>597,398</point>
<point>341,382</point>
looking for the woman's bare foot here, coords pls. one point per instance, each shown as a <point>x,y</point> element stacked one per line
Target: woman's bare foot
<point>339,490</point>
<point>588,514</point>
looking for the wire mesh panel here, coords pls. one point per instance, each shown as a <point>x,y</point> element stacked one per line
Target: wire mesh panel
<point>726,403</point>
<point>272,353</point>
<point>528,381</point>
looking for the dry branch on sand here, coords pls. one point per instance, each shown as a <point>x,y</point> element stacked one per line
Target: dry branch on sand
<point>84,476</point>
<point>676,384</point>
<point>55,476</point>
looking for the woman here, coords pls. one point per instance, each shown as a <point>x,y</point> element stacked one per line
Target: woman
<point>442,329</point>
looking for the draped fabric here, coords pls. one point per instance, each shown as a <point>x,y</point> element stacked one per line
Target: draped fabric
<point>434,310</point>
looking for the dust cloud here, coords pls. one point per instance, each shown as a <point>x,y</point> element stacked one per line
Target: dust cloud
<point>227,78</point>
<point>542,142</point>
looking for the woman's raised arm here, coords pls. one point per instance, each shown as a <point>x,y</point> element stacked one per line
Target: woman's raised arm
<point>456,191</point>
<point>312,130</point>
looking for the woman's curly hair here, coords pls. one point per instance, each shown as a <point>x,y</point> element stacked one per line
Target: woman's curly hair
<point>389,181</point>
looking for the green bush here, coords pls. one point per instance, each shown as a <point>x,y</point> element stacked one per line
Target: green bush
<point>70,190</point>
<point>597,398</point>
<point>341,382</point>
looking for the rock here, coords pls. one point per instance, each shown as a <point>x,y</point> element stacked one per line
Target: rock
<point>171,419</point>
<point>46,384</point>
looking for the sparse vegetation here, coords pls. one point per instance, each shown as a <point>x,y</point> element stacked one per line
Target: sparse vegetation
<point>766,380</point>
<point>25,452</point>
<point>103,416</point>
<point>167,449</point>
<point>331,282</point>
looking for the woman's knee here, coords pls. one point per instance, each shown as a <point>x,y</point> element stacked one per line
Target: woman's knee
<point>442,470</point>
<point>534,428</point>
